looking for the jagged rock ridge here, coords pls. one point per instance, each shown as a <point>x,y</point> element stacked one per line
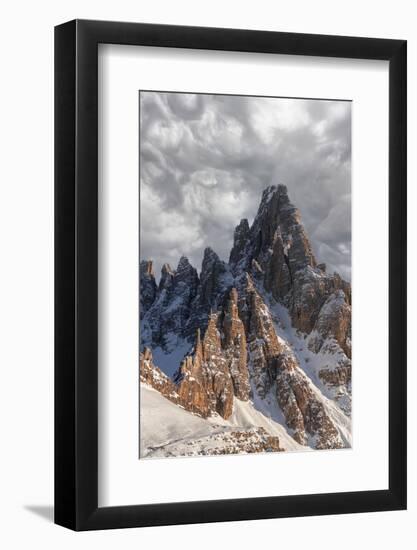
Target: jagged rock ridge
<point>230,320</point>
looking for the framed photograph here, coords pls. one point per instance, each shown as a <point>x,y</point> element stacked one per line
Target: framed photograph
<point>230,254</point>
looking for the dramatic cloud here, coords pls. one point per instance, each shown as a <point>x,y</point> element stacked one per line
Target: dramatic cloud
<point>205,159</point>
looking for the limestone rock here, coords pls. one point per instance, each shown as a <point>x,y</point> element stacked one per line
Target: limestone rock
<point>277,271</point>
<point>235,348</point>
<point>334,321</point>
<point>241,355</point>
<point>204,380</point>
<point>304,412</point>
<point>162,324</point>
<point>275,213</point>
<point>262,339</point>
<point>240,241</point>
<point>192,383</point>
<point>150,374</point>
<point>148,287</point>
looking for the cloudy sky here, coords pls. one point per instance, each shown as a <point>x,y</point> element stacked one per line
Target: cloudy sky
<point>205,159</point>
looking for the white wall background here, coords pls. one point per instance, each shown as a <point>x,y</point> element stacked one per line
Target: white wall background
<point>26,285</point>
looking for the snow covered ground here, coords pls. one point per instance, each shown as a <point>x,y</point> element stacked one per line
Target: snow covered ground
<point>168,430</point>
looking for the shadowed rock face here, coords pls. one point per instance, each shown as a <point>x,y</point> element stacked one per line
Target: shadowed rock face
<point>276,218</point>
<point>168,313</point>
<point>241,240</point>
<point>278,279</point>
<point>224,316</point>
<point>148,287</point>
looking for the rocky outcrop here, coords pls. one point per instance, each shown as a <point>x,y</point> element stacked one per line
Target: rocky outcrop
<point>274,364</point>
<point>333,321</point>
<point>228,442</point>
<point>263,343</point>
<point>277,252</point>
<point>310,291</point>
<point>213,274</point>
<point>235,348</point>
<point>151,375</point>
<point>191,382</point>
<point>338,376</point>
<point>304,412</point>
<point>240,242</point>
<point>241,355</point>
<point>277,278</point>
<point>167,278</point>
<point>255,440</point>
<point>148,287</point>
<point>220,385</point>
<point>164,320</point>
<point>278,246</point>
<point>216,370</point>
<point>276,217</point>
<point>209,378</point>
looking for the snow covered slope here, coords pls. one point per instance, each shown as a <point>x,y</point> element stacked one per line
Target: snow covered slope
<point>168,430</point>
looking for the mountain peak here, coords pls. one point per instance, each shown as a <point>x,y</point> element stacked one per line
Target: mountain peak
<point>282,189</point>
<point>186,274</point>
<point>274,190</point>
<point>240,239</point>
<point>146,268</point>
<point>210,255</point>
<point>167,276</point>
<point>166,269</point>
<point>231,328</point>
<point>184,265</point>
<point>148,287</point>
<point>268,193</point>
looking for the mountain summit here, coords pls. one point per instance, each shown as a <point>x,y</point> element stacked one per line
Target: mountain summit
<point>266,337</point>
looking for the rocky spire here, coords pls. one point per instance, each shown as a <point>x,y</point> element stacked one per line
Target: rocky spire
<point>167,277</point>
<point>276,219</point>
<point>150,374</point>
<point>192,382</point>
<point>276,212</point>
<point>233,306</point>
<point>148,287</point>
<point>204,381</point>
<point>235,348</point>
<point>240,241</point>
<point>333,321</point>
<point>274,362</point>
<point>185,281</point>
<point>213,271</point>
<point>262,339</point>
<point>304,413</point>
<point>186,273</point>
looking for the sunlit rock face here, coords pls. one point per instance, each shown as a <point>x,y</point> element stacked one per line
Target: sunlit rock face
<point>270,327</point>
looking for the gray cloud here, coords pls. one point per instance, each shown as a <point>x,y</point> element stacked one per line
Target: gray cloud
<point>205,159</point>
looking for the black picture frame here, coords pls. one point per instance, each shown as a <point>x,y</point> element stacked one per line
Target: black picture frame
<point>76,272</point>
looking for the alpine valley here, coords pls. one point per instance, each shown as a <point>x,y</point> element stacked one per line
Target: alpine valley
<point>253,355</point>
